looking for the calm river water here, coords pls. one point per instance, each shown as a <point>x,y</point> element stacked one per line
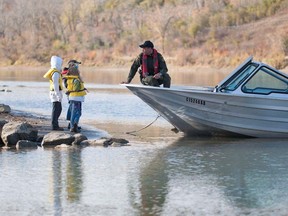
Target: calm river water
<point>164,174</point>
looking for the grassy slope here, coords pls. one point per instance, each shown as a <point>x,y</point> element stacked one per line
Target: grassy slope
<point>263,39</point>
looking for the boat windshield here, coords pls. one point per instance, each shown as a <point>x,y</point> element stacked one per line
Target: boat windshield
<point>266,81</point>
<point>240,77</point>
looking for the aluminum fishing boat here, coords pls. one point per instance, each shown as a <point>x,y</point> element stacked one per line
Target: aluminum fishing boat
<point>251,101</point>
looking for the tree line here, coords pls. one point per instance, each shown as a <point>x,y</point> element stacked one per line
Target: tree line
<point>101,32</point>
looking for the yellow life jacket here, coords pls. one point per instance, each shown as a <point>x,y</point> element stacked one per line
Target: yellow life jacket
<point>73,89</point>
<point>49,75</point>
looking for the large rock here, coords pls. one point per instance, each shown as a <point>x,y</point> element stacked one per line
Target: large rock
<point>2,123</point>
<point>12,132</point>
<point>57,138</point>
<point>5,108</point>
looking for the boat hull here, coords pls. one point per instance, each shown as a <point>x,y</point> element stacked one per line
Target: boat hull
<point>207,113</point>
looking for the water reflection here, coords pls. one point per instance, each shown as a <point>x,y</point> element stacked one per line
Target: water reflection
<point>186,177</point>
<point>154,182</point>
<point>217,177</point>
<point>67,177</point>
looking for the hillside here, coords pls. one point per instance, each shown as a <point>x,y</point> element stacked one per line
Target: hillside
<point>265,39</point>
<point>217,33</point>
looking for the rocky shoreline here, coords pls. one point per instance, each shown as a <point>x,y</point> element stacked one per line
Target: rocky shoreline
<point>24,130</point>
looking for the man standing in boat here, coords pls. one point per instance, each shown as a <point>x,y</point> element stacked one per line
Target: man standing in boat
<point>152,67</point>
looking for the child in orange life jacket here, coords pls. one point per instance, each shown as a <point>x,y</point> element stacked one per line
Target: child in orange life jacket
<point>76,92</point>
<point>71,63</point>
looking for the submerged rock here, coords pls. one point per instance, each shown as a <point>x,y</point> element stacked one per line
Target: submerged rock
<point>63,146</point>
<point>115,142</point>
<point>92,143</point>
<point>26,144</point>
<point>5,108</point>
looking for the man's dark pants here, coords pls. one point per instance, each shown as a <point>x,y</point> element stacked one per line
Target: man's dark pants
<point>149,80</point>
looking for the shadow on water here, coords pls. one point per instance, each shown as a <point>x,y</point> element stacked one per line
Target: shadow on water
<point>217,176</point>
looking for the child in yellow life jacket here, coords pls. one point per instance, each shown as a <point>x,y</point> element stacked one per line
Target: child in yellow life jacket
<point>76,94</point>
<point>55,79</point>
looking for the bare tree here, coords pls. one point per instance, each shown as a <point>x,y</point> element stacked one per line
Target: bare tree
<point>70,14</point>
<point>3,17</point>
<point>162,22</point>
<point>89,10</point>
<point>18,19</point>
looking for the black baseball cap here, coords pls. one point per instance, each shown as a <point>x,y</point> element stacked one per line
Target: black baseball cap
<point>147,44</point>
<point>74,61</point>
